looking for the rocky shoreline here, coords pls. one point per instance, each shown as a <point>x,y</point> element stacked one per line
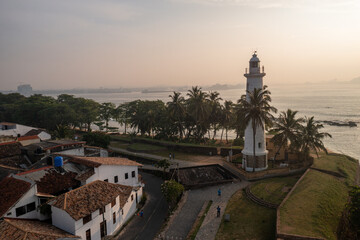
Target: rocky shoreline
<point>340,123</point>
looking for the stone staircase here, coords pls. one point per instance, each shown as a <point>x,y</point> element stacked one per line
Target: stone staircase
<point>259,201</point>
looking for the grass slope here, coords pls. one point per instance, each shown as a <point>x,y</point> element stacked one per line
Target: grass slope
<point>247,220</point>
<point>274,190</point>
<point>315,206</point>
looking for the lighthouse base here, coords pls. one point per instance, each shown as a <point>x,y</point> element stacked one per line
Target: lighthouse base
<point>258,163</point>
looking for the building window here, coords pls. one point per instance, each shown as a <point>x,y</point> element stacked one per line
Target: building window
<point>133,174</point>
<point>116,179</point>
<point>20,211</point>
<point>25,209</point>
<point>113,202</point>
<point>132,197</point>
<point>88,234</point>
<point>87,219</point>
<point>102,210</point>
<point>103,229</point>
<point>259,144</point>
<point>126,175</point>
<point>114,217</point>
<point>254,64</point>
<point>8,214</point>
<point>106,180</point>
<point>30,207</point>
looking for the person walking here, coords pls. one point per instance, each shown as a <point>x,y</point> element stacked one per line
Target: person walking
<point>218,209</point>
<point>141,213</point>
<point>173,156</point>
<point>169,156</point>
<point>219,192</point>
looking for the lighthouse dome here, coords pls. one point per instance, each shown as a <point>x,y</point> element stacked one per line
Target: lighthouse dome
<point>254,58</point>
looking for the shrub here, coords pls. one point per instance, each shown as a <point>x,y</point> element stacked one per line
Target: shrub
<point>97,139</point>
<point>172,191</point>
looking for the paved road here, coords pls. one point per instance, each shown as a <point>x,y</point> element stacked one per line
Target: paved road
<point>155,211</point>
<point>183,222</point>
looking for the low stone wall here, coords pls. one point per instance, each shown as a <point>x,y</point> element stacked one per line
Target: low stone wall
<point>275,172</point>
<point>193,228</point>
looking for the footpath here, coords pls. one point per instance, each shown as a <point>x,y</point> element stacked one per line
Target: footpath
<point>186,217</point>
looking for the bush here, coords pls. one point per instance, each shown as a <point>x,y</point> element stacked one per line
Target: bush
<point>97,139</point>
<point>172,191</point>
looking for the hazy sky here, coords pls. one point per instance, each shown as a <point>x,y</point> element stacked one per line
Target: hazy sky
<point>132,43</point>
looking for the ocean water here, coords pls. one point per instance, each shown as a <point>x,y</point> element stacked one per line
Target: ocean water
<point>331,102</point>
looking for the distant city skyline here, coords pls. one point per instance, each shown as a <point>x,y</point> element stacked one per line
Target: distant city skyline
<point>107,43</point>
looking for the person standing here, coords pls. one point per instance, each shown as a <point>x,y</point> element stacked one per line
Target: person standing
<point>173,156</point>
<point>218,209</point>
<point>219,192</point>
<point>141,213</point>
<point>169,156</point>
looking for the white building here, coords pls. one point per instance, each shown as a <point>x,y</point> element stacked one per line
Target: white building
<point>94,210</point>
<point>14,129</point>
<point>111,169</point>
<point>254,80</point>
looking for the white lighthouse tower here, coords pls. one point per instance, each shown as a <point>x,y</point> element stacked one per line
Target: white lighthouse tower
<point>254,79</point>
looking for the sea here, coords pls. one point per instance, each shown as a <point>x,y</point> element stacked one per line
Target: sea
<point>338,102</point>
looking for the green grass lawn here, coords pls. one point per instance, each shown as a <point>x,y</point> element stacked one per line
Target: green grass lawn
<point>247,220</point>
<point>119,145</point>
<point>145,147</point>
<point>274,190</point>
<point>315,206</point>
<point>338,163</point>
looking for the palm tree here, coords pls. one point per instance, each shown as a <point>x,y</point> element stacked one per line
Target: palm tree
<point>287,129</point>
<point>107,112</point>
<point>256,110</point>
<point>311,138</point>
<point>227,112</point>
<point>177,112</point>
<point>198,109</point>
<point>215,111</point>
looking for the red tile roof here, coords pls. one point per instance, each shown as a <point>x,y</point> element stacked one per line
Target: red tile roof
<point>11,190</point>
<point>14,229</point>
<point>9,149</point>
<point>97,161</point>
<point>34,132</point>
<point>87,199</point>
<point>24,138</point>
<point>54,182</point>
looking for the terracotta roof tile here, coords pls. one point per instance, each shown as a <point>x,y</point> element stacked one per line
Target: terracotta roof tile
<point>12,229</point>
<point>97,161</point>
<point>11,190</point>
<point>54,182</point>
<point>9,149</point>
<point>84,176</point>
<point>34,132</point>
<point>24,138</point>
<point>82,201</point>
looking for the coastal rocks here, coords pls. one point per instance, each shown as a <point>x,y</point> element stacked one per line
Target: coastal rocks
<point>340,123</point>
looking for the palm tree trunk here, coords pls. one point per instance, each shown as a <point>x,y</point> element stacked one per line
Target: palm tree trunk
<point>226,135</point>
<point>254,134</point>
<point>222,132</point>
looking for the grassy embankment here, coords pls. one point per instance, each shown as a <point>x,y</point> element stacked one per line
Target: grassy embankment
<point>315,206</point>
<point>249,220</point>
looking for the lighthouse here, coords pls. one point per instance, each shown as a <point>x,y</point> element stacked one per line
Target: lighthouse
<point>254,79</point>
